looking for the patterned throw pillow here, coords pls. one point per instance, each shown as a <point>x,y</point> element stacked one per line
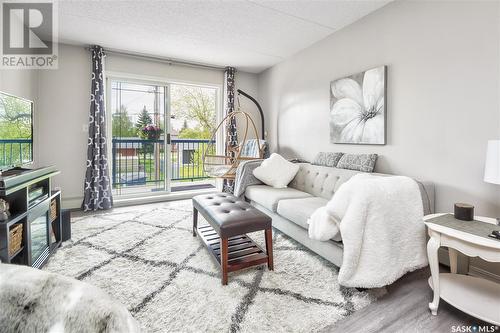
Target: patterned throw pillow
<point>359,162</point>
<point>327,159</point>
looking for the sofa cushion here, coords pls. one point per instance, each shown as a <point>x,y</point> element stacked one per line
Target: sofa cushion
<point>275,171</point>
<point>269,197</point>
<point>320,181</point>
<point>359,162</point>
<point>299,210</point>
<point>327,159</point>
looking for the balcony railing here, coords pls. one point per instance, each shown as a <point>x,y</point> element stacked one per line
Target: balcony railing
<point>15,151</point>
<point>142,162</point>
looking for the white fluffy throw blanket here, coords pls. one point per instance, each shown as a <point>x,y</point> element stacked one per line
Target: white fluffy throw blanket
<point>380,220</point>
<point>32,300</point>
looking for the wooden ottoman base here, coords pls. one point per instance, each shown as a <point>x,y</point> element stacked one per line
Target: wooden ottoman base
<point>237,252</point>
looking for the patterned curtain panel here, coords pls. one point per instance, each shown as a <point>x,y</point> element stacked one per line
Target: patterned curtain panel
<point>97,191</point>
<point>231,131</point>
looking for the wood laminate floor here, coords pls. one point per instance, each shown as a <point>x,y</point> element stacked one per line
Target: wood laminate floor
<point>405,309</point>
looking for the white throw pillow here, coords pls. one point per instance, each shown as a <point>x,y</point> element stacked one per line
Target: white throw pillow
<point>276,171</point>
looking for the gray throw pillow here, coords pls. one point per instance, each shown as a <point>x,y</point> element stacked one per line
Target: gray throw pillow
<point>327,159</point>
<point>359,162</point>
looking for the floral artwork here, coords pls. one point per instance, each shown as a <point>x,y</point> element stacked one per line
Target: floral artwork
<point>357,108</point>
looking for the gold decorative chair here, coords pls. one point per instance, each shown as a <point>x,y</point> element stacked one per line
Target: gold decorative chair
<point>224,166</point>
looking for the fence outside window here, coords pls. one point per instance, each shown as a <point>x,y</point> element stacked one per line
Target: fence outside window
<point>142,161</point>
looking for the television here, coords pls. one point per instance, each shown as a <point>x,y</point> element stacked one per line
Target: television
<point>16,131</point>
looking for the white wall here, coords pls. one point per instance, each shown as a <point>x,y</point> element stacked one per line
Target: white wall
<point>249,84</point>
<point>22,83</point>
<point>62,120</point>
<point>64,105</point>
<point>443,94</point>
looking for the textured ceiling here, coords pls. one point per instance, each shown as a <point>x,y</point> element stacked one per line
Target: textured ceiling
<point>250,35</point>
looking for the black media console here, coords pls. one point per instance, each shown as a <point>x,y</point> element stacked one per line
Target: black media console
<point>36,210</point>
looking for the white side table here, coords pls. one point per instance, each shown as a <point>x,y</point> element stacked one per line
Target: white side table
<point>473,295</point>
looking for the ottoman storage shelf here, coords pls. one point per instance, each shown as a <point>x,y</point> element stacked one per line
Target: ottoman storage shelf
<point>229,220</point>
<point>242,250</point>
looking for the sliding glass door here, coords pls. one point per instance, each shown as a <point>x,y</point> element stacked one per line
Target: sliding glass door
<point>139,133</point>
<point>193,118</point>
<point>159,133</point>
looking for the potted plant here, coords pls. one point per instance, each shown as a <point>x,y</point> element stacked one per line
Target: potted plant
<point>151,132</point>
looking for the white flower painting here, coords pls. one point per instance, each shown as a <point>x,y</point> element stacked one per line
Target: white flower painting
<point>357,108</point>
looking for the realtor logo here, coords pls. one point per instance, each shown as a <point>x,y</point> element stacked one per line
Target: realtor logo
<point>29,35</point>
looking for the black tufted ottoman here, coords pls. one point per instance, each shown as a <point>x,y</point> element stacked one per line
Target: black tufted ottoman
<point>230,219</point>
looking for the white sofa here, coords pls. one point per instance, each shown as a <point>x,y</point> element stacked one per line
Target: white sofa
<point>311,188</point>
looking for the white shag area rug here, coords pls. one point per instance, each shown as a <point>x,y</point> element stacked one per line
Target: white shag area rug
<point>146,258</point>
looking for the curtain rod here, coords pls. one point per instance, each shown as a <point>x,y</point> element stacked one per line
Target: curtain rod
<point>169,61</point>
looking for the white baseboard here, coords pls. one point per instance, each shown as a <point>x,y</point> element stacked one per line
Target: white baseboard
<point>71,202</point>
<point>76,202</point>
<point>121,202</point>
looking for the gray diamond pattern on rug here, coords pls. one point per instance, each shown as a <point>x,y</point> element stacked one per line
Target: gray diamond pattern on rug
<point>146,257</point>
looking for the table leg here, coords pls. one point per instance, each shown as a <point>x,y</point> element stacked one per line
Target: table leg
<point>432,254</point>
<point>453,260</point>
<point>224,259</point>
<point>195,221</point>
<point>269,248</point>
